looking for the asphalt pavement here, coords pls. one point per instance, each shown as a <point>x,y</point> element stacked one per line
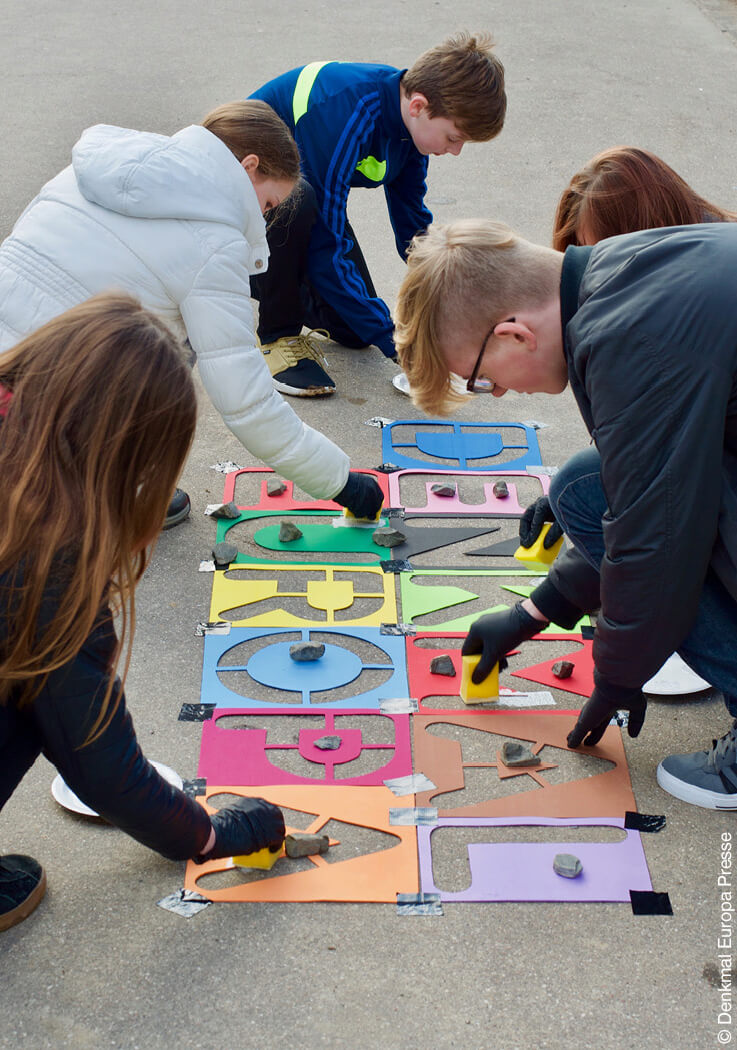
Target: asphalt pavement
<point>99,966</point>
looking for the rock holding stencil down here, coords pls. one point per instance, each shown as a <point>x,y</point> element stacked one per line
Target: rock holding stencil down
<point>301,844</point>
<point>566,865</point>
<point>306,652</point>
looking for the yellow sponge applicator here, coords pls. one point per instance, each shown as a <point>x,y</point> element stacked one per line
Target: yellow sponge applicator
<point>483,693</point>
<point>261,858</point>
<point>537,557</point>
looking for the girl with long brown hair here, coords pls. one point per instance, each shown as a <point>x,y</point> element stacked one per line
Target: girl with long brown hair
<point>625,189</point>
<point>97,414</point>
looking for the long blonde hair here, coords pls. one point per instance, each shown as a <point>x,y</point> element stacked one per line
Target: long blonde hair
<point>99,424</point>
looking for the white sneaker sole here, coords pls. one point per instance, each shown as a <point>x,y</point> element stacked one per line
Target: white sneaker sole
<point>401,383</point>
<point>693,795</point>
<point>299,391</point>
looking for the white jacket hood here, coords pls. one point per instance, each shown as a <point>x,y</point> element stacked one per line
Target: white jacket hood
<point>191,175</point>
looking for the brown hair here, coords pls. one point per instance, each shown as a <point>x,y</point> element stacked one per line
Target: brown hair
<point>252,126</point>
<point>463,277</point>
<point>100,422</point>
<point>625,189</point>
<point>464,82</point>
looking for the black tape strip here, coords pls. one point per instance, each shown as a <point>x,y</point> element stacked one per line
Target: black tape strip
<point>587,631</point>
<point>643,822</point>
<point>400,565</point>
<point>647,902</point>
<point>194,787</point>
<point>196,712</point>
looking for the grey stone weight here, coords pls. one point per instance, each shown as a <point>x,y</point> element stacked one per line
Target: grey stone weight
<point>226,510</point>
<point>305,652</point>
<point>275,487</point>
<point>328,743</point>
<point>224,553</point>
<point>444,489</point>
<point>500,490</point>
<point>300,844</point>
<point>442,665</point>
<point>567,865</point>
<point>562,669</point>
<point>289,532</point>
<point>388,537</point>
<point>515,753</point>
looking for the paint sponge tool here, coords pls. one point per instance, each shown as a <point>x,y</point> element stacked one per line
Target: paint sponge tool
<point>486,691</point>
<point>261,858</point>
<point>537,557</point>
<point>351,519</point>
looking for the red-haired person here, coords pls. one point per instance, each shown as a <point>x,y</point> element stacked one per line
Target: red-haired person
<point>625,189</point>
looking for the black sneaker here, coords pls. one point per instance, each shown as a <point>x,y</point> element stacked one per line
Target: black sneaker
<point>297,367</point>
<point>704,778</point>
<point>178,509</point>
<point>22,885</point>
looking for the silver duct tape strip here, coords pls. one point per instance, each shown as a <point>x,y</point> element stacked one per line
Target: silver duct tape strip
<point>400,705</point>
<point>206,566</point>
<point>212,627</point>
<point>184,902</point>
<point>196,712</point>
<point>378,421</point>
<point>541,699</point>
<point>533,424</point>
<point>227,467</point>
<point>395,567</point>
<point>419,904</point>
<point>413,817</point>
<point>195,787</point>
<point>355,523</point>
<point>550,471</point>
<point>410,784</point>
<point>397,628</point>
<point>621,719</point>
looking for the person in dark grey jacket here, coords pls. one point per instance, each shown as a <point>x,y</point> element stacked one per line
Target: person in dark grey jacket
<point>93,439</point>
<point>644,329</point>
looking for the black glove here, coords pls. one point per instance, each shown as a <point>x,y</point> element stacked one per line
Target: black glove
<point>496,634</point>
<point>532,521</point>
<point>361,494</point>
<point>597,712</point>
<point>250,824</point>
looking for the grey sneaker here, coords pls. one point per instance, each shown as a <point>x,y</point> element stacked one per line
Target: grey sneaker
<point>297,367</point>
<point>704,778</point>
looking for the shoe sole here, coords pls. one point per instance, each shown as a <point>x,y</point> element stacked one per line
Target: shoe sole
<point>693,795</point>
<point>177,519</point>
<point>298,391</point>
<point>32,901</point>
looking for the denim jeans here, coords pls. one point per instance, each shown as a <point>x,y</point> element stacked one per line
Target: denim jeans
<point>709,649</point>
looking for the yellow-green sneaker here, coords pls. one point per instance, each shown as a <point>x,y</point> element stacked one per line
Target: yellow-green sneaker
<point>297,366</point>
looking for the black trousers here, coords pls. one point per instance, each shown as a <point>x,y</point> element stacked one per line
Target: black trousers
<point>287,299</point>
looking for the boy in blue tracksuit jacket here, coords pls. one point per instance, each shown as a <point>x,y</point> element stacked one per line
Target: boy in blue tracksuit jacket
<point>363,125</point>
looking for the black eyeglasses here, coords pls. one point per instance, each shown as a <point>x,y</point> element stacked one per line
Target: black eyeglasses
<point>471,384</point>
